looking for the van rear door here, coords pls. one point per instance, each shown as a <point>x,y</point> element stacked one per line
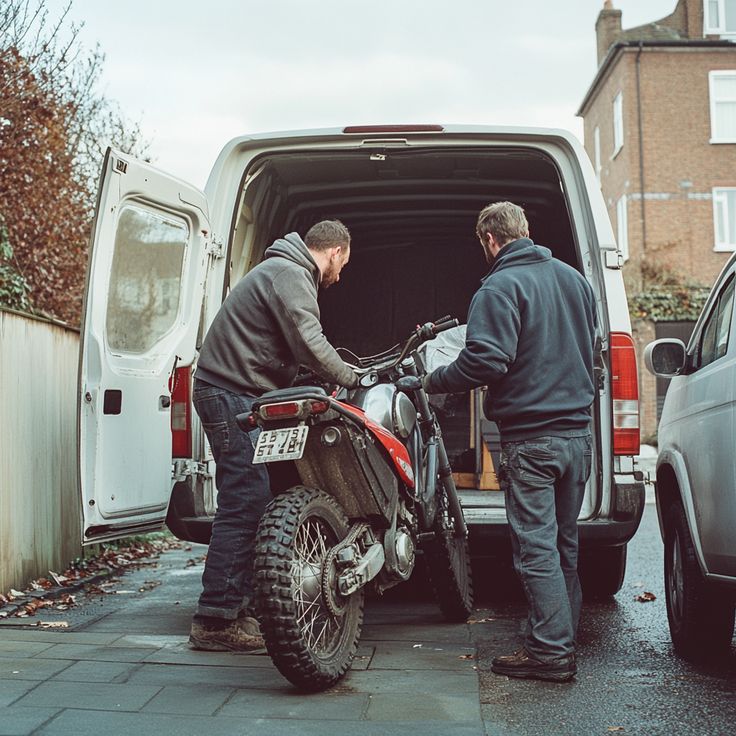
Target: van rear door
<point>144,294</point>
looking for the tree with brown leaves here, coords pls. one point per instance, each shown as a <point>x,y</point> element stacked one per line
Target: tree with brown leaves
<point>53,133</point>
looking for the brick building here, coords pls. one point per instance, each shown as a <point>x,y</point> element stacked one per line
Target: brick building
<point>660,129</point>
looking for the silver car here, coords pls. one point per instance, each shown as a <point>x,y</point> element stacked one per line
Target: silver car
<point>696,474</point>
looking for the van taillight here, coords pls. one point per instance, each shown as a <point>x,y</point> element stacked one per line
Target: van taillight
<point>181,413</point>
<point>365,129</point>
<point>625,390</point>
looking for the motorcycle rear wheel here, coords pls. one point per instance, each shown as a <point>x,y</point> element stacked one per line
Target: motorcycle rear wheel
<point>311,642</point>
<point>448,567</point>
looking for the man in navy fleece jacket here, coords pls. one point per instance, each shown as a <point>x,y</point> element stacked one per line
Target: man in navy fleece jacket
<point>530,337</point>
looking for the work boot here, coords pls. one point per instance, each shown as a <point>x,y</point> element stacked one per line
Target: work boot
<point>224,635</point>
<point>523,664</point>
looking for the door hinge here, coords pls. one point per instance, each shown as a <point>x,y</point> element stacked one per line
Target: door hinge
<point>215,247</point>
<point>614,259</point>
<point>184,468</point>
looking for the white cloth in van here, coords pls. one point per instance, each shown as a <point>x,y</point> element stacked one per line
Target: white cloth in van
<point>444,349</point>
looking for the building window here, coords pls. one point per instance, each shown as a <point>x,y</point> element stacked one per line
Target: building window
<point>724,218</point>
<point>720,17</point>
<point>597,152</point>
<point>622,227</point>
<point>618,123</point>
<point>723,106</point>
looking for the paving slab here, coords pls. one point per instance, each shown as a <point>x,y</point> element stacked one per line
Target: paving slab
<point>90,723</point>
<point>409,682</point>
<point>97,672</point>
<point>198,700</point>
<point>436,707</point>
<point>455,633</point>
<point>244,677</point>
<point>31,668</point>
<point>292,704</point>
<point>38,634</point>
<point>18,721</point>
<point>424,656</point>
<point>16,649</point>
<point>97,653</point>
<point>93,696</point>
<point>12,690</point>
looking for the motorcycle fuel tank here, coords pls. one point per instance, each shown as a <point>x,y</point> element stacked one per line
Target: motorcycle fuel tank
<point>388,407</point>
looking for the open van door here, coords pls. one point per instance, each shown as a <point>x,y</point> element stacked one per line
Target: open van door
<point>143,303</point>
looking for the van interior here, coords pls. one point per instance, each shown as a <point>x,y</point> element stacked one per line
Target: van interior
<point>414,254</point>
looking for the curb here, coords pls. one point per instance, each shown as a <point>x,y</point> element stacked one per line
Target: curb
<point>8,612</point>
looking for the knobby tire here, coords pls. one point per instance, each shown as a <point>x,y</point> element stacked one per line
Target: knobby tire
<point>309,646</point>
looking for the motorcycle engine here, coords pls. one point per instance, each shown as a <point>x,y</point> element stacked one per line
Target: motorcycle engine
<point>388,407</point>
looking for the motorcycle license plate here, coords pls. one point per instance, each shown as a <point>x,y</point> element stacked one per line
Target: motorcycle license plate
<point>281,444</point>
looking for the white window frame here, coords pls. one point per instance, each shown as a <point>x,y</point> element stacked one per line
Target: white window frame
<point>720,201</point>
<point>714,138</point>
<point>597,152</point>
<point>622,226</point>
<point>719,28</point>
<point>618,123</point>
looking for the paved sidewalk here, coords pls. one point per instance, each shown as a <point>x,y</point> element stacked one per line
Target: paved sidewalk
<point>123,667</point>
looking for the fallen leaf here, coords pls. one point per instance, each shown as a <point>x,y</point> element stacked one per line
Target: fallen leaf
<point>15,593</point>
<point>480,620</point>
<point>645,597</point>
<point>467,656</point>
<point>58,579</point>
<point>53,624</point>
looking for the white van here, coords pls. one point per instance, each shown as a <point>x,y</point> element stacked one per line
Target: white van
<point>165,254</point>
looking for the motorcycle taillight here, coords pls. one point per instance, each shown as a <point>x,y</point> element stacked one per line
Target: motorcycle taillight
<point>285,410</point>
<point>319,407</point>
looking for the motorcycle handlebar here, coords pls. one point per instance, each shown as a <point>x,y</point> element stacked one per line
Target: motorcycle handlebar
<point>446,323</point>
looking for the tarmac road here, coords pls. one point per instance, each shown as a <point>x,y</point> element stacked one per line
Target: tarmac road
<point>123,667</point>
<point>629,679</point>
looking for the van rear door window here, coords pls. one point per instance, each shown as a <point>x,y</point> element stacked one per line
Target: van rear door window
<point>145,282</point>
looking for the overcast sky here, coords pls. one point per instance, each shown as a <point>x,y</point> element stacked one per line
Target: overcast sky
<point>196,73</point>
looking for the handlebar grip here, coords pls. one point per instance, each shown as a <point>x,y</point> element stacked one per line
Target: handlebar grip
<point>442,320</point>
<point>441,327</point>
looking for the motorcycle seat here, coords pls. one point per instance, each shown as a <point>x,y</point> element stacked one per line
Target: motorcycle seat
<point>291,394</point>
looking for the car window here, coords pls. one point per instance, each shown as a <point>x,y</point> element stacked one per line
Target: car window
<point>716,331</point>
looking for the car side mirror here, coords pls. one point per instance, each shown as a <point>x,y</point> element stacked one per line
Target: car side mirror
<point>665,358</point>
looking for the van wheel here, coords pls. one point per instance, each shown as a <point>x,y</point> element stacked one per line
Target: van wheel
<point>602,571</point>
<point>312,641</point>
<point>701,617</point>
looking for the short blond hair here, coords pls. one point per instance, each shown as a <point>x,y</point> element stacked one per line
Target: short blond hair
<point>506,221</point>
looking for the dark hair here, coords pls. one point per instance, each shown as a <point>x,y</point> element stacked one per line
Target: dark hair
<point>327,234</point>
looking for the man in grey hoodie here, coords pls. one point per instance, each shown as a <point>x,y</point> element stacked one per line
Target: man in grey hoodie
<point>267,327</point>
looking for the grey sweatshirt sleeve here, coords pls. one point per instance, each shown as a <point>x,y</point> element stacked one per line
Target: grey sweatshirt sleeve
<point>297,312</point>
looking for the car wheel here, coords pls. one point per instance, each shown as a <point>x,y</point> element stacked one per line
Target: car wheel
<point>701,617</point>
<point>602,571</point>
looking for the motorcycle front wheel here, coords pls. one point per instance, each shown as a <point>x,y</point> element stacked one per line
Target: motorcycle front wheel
<point>448,566</point>
<point>311,632</point>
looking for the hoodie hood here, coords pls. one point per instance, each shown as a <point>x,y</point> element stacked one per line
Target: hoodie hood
<point>519,252</point>
<point>293,248</point>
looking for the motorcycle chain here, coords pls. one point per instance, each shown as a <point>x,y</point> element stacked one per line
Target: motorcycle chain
<point>329,595</point>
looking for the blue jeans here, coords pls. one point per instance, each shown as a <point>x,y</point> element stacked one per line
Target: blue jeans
<point>543,480</point>
<point>242,495</point>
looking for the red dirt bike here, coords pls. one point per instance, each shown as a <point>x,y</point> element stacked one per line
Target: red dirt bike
<point>376,486</point>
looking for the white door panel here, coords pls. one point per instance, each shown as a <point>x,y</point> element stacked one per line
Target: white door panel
<point>144,296</point>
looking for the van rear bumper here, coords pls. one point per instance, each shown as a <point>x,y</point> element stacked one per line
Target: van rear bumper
<point>599,532</point>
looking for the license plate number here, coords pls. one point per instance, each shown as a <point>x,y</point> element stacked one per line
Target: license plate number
<point>281,444</point>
